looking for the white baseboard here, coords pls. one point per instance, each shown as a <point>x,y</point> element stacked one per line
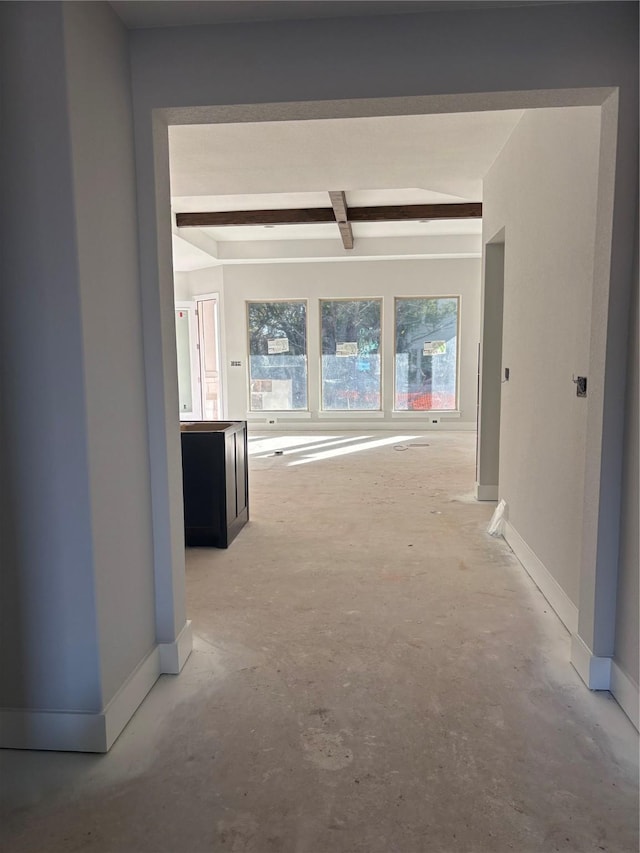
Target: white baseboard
<point>486,493</point>
<point>65,731</point>
<point>173,656</point>
<point>593,670</point>
<point>129,697</point>
<point>166,658</point>
<point>402,424</point>
<point>626,692</point>
<point>77,731</point>
<point>598,673</point>
<point>543,579</point>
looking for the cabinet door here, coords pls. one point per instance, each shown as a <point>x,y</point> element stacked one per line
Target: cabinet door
<point>241,471</point>
<point>230,476</point>
<point>202,478</point>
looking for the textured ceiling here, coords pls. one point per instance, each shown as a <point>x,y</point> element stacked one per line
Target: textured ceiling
<point>443,156</point>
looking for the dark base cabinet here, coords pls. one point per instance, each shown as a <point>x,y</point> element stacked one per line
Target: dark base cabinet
<point>215,481</point>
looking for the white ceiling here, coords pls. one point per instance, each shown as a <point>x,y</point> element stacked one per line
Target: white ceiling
<point>446,153</point>
<point>277,201</point>
<point>376,161</point>
<point>328,231</point>
<point>187,257</point>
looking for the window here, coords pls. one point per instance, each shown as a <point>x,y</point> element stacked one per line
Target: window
<point>183,350</point>
<point>350,353</point>
<point>277,355</point>
<point>426,358</point>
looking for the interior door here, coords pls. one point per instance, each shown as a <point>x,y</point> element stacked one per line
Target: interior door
<point>188,369</point>
<point>209,353</point>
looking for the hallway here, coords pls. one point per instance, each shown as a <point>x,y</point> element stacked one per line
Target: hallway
<point>372,673</point>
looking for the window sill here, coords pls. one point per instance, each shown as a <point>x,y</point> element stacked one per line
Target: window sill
<point>300,415</point>
<point>427,413</point>
<point>365,414</point>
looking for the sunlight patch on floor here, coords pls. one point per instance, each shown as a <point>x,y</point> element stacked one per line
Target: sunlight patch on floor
<point>353,448</point>
<point>268,444</point>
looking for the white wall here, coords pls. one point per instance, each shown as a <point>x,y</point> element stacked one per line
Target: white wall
<point>181,286</point>
<point>101,128</point>
<point>78,614</point>
<point>542,191</point>
<point>49,656</point>
<point>188,285</point>
<point>315,281</point>
<point>627,642</point>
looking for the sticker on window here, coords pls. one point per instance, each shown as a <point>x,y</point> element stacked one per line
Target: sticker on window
<point>347,348</point>
<point>278,345</point>
<point>434,348</point>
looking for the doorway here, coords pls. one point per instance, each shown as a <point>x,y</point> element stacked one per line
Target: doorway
<point>491,372</point>
<point>210,382</point>
<point>198,350</point>
<point>188,362</point>
<point>157,280</point>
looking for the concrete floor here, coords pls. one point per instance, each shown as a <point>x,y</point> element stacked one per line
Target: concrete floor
<point>372,672</point>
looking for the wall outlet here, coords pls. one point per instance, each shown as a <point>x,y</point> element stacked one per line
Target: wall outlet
<point>435,420</point>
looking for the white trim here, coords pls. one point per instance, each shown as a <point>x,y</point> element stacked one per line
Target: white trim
<point>220,350</point>
<point>543,579</point>
<point>275,416</point>
<point>78,731</point>
<point>173,656</point>
<point>486,493</point>
<point>354,424</point>
<point>129,697</point>
<point>349,414</point>
<point>424,256</point>
<point>64,731</point>
<point>626,693</point>
<point>360,417</point>
<point>445,414</point>
<point>593,670</point>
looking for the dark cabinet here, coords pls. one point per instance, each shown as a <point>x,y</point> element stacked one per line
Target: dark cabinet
<point>215,481</point>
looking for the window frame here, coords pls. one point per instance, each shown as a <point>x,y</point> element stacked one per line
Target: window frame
<point>342,412</point>
<point>418,412</point>
<point>249,302</point>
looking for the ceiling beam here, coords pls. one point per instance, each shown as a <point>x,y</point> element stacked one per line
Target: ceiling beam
<point>221,218</point>
<point>339,205</point>
<point>315,215</point>
<point>409,212</point>
<point>346,234</point>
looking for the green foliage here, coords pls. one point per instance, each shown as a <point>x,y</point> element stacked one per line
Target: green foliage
<point>353,320</point>
<point>419,320</point>
<point>270,320</point>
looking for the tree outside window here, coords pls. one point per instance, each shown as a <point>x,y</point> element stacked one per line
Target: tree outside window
<point>277,355</point>
<point>351,354</point>
<point>426,344</point>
